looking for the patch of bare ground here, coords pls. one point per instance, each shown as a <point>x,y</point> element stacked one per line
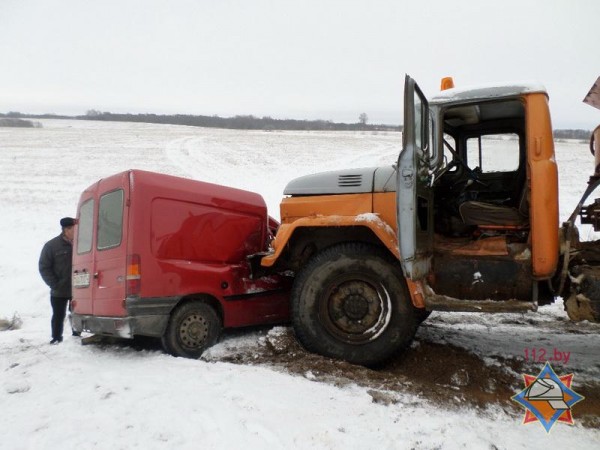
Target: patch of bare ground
<point>440,374</point>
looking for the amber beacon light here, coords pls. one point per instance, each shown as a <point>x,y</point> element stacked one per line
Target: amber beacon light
<point>447,83</point>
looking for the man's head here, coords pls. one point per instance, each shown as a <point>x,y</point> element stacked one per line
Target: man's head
<point>68,227</point>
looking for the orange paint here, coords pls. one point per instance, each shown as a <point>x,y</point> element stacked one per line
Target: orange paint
<point>543,178</point>
<point>384,233</point>
<point>294,208</point>
<point>415,289</point>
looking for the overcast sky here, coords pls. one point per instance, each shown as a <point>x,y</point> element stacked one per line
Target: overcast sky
<point>302,59</point>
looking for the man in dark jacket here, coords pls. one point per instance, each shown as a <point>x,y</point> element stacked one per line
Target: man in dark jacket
<point>55,268</point>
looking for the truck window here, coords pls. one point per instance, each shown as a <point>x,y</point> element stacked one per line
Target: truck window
<point>110,220</point>
<point>494,152</point>
<point>85,227</point>
<point>448,156</point>
<point>419,128</point>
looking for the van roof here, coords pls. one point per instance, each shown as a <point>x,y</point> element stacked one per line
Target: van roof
<point>186,189</point>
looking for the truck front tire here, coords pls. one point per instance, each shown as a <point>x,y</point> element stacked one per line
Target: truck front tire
<point>351,302</point>
<point>193,327</point>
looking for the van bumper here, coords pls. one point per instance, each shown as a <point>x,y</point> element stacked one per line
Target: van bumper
<point>145,317</point>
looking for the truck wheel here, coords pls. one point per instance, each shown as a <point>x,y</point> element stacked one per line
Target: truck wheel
<point>351,302</point>
<point>193,327</point>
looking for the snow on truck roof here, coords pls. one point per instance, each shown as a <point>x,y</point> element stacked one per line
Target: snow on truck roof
<point>486,91</point>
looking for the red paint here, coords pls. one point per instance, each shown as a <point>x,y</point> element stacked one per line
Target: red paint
<point>179,238</point>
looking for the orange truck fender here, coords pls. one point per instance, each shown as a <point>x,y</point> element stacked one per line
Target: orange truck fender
<point>382,230</point>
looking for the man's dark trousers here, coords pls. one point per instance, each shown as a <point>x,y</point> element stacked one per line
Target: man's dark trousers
<point>59,311</point>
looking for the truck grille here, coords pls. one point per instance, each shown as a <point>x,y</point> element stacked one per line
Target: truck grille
<point>349,180</point>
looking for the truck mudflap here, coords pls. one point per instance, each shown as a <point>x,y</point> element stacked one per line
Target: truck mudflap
<point>583,302</point>
<point>145,317</point>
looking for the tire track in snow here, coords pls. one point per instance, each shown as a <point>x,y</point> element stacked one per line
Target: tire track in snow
<point>251,160</point>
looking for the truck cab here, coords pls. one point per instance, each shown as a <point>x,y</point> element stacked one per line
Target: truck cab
<point>466,220</point>
<point>478,197</point>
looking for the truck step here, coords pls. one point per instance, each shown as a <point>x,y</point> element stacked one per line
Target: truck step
<point>443,303</point>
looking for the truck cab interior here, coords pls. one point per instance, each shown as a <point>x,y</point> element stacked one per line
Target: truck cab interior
<point>481,187</point>
<point>480,203</point>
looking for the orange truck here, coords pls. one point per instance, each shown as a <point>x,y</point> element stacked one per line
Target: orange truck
<point>467,220</point>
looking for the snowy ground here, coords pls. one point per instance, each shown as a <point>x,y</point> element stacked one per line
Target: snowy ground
<point>116,396</point>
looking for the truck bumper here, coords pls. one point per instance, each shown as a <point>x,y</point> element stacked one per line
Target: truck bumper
<point>145,317</point>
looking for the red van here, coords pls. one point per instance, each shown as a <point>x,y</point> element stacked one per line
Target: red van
<point>168,257</point>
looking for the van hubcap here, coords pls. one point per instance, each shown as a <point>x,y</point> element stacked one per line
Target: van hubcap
<point>193,331</point>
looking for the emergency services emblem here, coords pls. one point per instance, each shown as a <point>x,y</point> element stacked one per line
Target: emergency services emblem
<point>548,398</point>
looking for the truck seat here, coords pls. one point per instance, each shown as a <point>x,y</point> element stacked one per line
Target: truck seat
<point>490,214</point>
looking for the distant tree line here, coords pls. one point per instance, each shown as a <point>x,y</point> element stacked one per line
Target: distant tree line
<point>19,123</point>
<point>248,122</point>
<point>16,115</point>
<point>572,134</point>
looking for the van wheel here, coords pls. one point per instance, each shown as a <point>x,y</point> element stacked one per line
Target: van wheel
<point>193,327</point>
<point>351,302</point>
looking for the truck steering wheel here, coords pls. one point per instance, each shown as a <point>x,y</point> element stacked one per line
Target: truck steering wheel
<point>458,161</point>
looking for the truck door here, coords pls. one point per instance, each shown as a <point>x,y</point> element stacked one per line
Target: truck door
<point>414,205</point>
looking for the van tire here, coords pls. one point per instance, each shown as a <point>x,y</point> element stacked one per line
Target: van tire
<point>351,302</point>
<point>193,327</point>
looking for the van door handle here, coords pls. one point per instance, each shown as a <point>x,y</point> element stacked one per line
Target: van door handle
<point>96,276</point>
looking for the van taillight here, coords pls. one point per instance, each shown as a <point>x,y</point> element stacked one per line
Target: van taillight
<point>134,275</point>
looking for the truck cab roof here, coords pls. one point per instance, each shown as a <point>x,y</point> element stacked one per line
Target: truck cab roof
<point>485,92</point>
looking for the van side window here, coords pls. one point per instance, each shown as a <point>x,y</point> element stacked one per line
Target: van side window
<point>110,220</point>
<point>85,227</point>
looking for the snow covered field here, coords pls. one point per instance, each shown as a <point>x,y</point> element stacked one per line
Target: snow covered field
<point>72,396</point>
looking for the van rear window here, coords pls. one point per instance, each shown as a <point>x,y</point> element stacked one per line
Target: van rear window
<point>110,220</point>
<point>85,227</point>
